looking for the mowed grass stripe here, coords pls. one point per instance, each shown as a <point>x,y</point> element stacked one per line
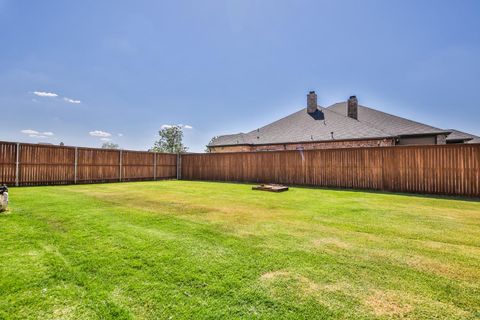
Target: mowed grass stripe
<point>180,249</point>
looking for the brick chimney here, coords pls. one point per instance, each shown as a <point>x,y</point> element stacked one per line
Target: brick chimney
<point>311,102</point>
<point>352,107</point>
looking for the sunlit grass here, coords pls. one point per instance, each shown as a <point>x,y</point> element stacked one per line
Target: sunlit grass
<point>180,249</point>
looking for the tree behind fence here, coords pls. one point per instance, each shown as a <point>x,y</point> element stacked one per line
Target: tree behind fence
<point>447,169</point>
<point>29,164</point>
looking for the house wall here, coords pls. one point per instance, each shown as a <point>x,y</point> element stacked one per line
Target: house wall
<point>307,145</point>
<point>230,149</point>
<point>425,140</point>
<point>417,141</point>
<point>442,139</point>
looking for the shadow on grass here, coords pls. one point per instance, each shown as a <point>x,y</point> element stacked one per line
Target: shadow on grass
<point>372,191</point>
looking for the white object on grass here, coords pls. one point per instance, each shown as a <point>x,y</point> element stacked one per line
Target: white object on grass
<point>3,201</point>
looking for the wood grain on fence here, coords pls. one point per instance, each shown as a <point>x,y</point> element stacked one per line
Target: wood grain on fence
<point>98,165</point>
<point>439,169</point>
<point>7,162</point>
<point>447,169</point>
<point>45,165</point>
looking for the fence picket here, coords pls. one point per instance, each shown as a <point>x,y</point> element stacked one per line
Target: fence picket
<point>440,169</point>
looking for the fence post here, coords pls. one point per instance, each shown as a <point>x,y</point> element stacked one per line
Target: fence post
<point>179,166</point>
<point>154,166</point>
<point>120,167</point>
<point>17,166</point>
<point>76,164</point>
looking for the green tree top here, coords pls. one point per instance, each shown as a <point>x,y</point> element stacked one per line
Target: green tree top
<point>110,145</point>
<point>171,140</point>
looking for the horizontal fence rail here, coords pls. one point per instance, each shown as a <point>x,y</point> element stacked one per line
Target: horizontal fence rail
<point>24,164</point>
<point>439,169</point>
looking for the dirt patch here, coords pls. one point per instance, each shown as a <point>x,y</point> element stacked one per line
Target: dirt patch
<point>383,303</point>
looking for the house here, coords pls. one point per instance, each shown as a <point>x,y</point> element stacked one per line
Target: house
<point>341,125</point>
<point>461,137</point>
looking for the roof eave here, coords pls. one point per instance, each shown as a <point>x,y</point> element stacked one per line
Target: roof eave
<point>303,141</point>
<point>423,134</point>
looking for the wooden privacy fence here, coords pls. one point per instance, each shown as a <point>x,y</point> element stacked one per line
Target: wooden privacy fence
<point>30,164</point>
<point>446,169</point>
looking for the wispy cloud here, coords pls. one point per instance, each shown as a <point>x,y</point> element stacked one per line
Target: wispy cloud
<point>45,94</point>
<point>120,134</point>
<point>166,126</point>
<point>106,139</point>
<point>100,133</point>
<point>37,134</point>
<point>72,100</point>
<point>187,126</point>
<point>29,131</point>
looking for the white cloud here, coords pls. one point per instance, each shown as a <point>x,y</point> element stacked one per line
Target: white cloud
<point>106,139</point>
<point>185,126</point>
<point>36,134</point>
<point>72,100</point>
<point>100,133</point>
<point>120,134</point>
<point>29,131</point>
<point>45,94</point>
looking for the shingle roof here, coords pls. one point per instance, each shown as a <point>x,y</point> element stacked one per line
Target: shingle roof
<point>394,125</point>
<point>302,127</point>
<point>462,136</point>
<point>230,139</point>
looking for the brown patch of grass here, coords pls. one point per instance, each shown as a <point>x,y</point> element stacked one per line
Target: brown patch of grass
<point>335,242</point>
<point>441,269</point>
<point>304,285</point>
<point>330,295</point>
<point>383,303</point>
<point>64,312</point>
<point>274,274</point>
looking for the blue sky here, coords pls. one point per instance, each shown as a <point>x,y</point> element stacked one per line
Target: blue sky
<point>80,71</point>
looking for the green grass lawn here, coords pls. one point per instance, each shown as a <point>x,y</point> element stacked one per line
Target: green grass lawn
<point>189,250</point>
